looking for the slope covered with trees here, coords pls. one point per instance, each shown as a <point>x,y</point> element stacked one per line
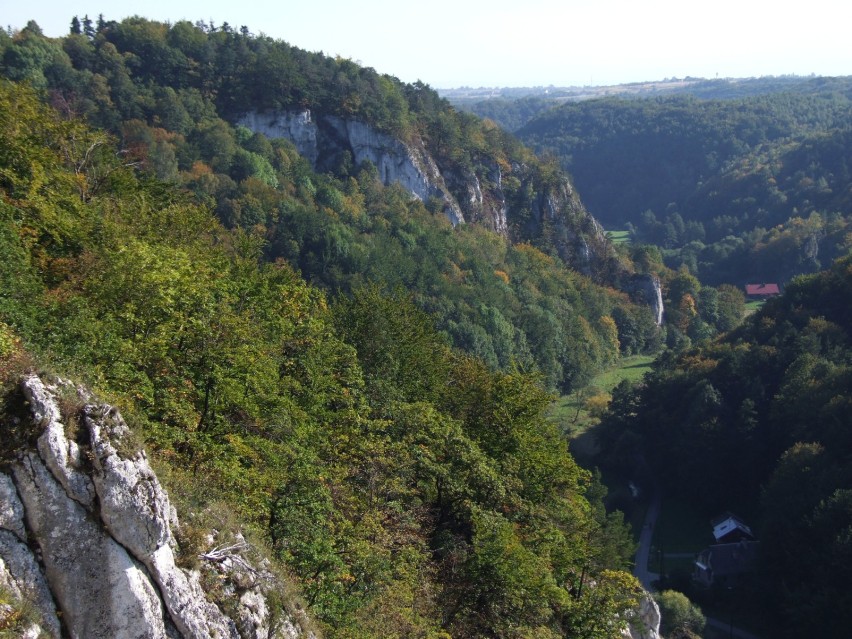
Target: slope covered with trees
<point>752,188</point>
<point>759,422</point>
<point>411,489</point>
<point>171,93</point>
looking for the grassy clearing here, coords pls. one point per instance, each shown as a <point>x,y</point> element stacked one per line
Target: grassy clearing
<point>752,306</point>
<point>619,237</point>
<point>570,411</point>
<point>631,368</point>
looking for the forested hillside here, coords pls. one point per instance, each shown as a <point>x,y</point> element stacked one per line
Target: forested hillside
<point>318,359</point>
<point>411,490</point>
<point>759,422</point>
<point>171,96</point>
<point>747,189</point>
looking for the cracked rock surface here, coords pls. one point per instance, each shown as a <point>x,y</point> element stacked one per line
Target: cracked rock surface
<point>86,539</point>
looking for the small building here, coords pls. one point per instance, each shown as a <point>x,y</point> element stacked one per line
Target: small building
<point>733,555</point>
<point>762,291</point>
<point>725,564</point>
<point>729,529</point>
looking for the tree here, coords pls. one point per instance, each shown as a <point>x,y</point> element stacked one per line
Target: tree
<point>88,29</point>
<point>403,356</point>
<point>679,614</point>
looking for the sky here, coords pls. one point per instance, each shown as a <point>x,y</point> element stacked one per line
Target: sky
<point>501,43</point>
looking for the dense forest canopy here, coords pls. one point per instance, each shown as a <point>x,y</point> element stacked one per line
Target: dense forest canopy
<point>412,489</point>
<point>364,385</point>
<point>349,435</point>
<point>759,422</point>
<point>746,188</point>
<point>171,93</point>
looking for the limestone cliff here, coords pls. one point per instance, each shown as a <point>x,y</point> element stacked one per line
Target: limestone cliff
<point>645,622</point>
<point>86,537</point>
<point>325,139</point>
<point>646,289</point>
<point>468,195</point>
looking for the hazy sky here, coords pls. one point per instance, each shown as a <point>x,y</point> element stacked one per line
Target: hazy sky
<point>451,43</point>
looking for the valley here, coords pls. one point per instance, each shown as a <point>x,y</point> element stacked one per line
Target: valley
<point>419,363</point>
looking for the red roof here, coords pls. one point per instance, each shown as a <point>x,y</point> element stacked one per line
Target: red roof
<point>762,289</point>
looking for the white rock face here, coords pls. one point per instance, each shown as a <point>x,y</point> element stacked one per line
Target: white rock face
<point>61,455</point>
<point>102,524</point>
<point>134,507</point>
<point>295,126</point>
<point>409,166</point>
<point>100,589</point>
<point>646,622</point>
<point>11,509</point>
<point>648,290</point>
<point>21,575</point>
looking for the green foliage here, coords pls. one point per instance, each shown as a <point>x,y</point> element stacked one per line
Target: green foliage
<point>724,186</point>
<point>18,616</point>
<point>168,92</point>
<point>410,489</point>
<point>760,420</point>
<point>679,614</point>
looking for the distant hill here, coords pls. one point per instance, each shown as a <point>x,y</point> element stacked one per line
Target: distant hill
<point>513,107</point>
<point>735,188</point>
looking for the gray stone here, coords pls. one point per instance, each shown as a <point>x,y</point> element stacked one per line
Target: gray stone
<point>135,510</point>
<point>184,598</point>
<point>645,622</point>
<point>133,506</point>
<point>321,140</point>
<point>62,456</point>
<point>101,590</point>
<point>21,575</point>
<point>11,509</point>
<point>646,289</point>
<point>101,523</point>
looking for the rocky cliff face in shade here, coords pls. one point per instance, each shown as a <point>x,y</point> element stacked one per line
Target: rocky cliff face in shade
<point>86,537</point>
<point>577,236</point>
<point>646,289</point>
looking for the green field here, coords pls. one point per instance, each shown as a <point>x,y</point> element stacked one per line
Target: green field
<point>619,237</point>
<point>569,411</point>
<point>631,368</point>
<point>752,306</point>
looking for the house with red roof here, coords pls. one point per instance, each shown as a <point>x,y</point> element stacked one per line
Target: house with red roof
<point>762,290</point>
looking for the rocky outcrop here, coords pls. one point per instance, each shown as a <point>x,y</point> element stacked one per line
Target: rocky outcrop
<point>86,535</point>
<point>20,574</point>
<point>645,622</point>
<point>646,289</point>
<point>476,197</point>
<point>324,140</point>
<point>558,214</point>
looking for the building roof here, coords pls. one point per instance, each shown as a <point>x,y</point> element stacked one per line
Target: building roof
<point>762,289</point>
<point>729,525</point>
<point>729,559</point>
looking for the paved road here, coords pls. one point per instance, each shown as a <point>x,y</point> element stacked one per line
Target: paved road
<point>643,553</point>
<point>641,572</point>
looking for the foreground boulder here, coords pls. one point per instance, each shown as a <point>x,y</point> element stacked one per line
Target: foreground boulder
<point>87,543</point>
